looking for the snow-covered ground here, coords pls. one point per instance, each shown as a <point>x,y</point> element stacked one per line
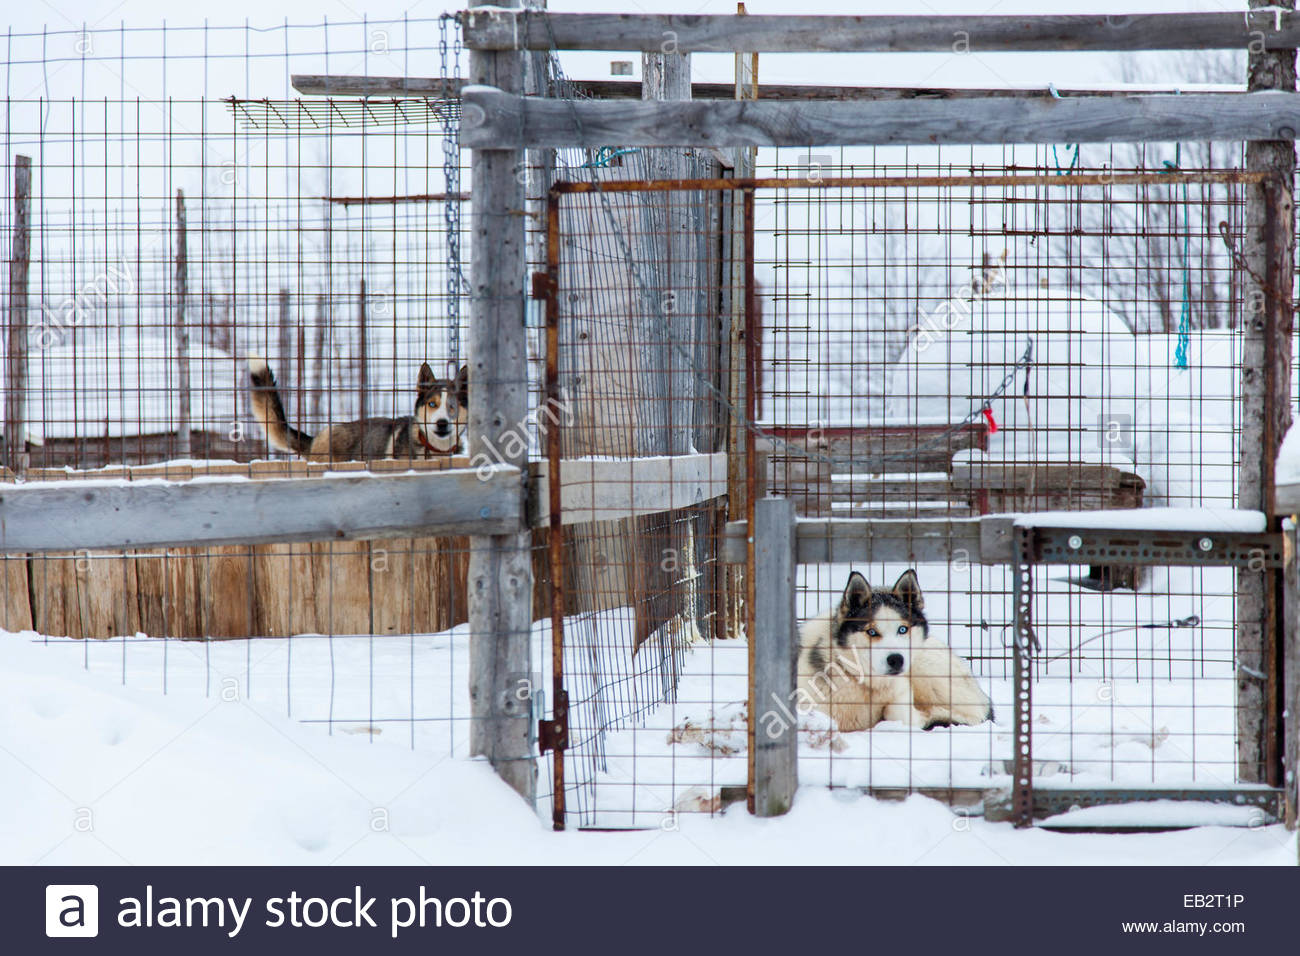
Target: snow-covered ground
<point>353,750</point>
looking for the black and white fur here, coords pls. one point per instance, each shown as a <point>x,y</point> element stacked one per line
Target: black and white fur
<point>872,658</point>
<point>436,427</point>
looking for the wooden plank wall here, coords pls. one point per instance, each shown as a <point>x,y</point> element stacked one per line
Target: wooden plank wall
<point>414,585</point>
<point>400,586</point>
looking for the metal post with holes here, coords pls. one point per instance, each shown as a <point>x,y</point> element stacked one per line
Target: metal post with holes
<point>1022,795</point>
<point>773,718</point>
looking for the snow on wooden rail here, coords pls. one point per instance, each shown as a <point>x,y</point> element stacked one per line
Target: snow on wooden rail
<point>74,515</point>
<point>493,118</point>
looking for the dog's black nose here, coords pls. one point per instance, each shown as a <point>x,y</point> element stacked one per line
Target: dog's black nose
<point>441,427</point>
<point>895,663</point>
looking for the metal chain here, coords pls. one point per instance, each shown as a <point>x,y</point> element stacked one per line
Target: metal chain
<point>450,53</point>
<point>566,89</point>
<point>1239,260</point>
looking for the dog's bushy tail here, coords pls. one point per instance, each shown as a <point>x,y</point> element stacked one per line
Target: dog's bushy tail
<point>270,411</point>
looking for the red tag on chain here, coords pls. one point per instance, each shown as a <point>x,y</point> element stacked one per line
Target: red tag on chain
<point>988,417</point>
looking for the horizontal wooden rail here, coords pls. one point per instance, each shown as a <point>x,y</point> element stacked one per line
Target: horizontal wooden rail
<point>335,84</point>
<point>498,29</point>
<point>342,84</point>
<point>491,118</point>
<point>76,515</point>
<point>595,489</point>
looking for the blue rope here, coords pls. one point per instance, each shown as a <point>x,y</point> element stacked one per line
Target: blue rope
<point>1184,315</point>
<point>606,155</point>
<point>1074,161</point>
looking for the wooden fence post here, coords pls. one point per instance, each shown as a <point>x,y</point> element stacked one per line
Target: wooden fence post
<point>363,359</point>
<point>665,77</point>
<point>286,377</point>
<point>183,420</point>
<point>1269,249</point>
<point>15,423</point>
<point>774,733</point>
<point>321,362</point>
<point>500,566</point>
<point>737,347</point>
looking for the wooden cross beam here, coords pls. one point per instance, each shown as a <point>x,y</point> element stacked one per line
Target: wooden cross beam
<point>313,84</point>
<point>496,29</point>
<point>490,117</point>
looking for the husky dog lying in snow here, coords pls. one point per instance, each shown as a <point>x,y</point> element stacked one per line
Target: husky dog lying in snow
<point>436,428</point>
<point>872,658</point>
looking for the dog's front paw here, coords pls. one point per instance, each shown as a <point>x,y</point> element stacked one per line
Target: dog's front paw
<point>971,716</point>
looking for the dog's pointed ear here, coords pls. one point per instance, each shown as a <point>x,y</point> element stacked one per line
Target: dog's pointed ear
<point>857,594</point>
<point>908,588</point>
<point>425,380</point>
<point>461,386</point>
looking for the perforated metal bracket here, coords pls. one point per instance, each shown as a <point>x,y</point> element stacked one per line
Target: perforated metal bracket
<point>553,734</point>
<point>543,286</point>
<point>991,540</point>
<point>1164,548</point>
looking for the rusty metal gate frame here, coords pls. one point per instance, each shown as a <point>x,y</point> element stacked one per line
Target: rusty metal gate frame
<point>1030,546</point>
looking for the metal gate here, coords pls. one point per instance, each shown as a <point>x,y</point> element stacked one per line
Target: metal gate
<point>1022,401</point>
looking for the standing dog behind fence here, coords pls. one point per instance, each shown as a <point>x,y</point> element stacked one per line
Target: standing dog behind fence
<point>436,427</point>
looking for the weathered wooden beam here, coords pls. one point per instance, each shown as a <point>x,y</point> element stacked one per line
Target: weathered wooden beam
<point>181,287</point>
<point>505,30</point>
<point>72,515</point>
<point>666,77</point>
<point>773,727</point>
<point>496,117</point>
<point>500,566</point>
<point>594,489</point>
<point>16,341</point>
<point>1268,247</point>
<point>434,87</point>
<point>449,88</point>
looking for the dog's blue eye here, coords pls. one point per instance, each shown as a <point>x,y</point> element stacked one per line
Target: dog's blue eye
<point>902,630</point>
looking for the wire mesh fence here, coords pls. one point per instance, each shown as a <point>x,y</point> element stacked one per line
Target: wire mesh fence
<point>936,334</point>
<point>190,213</point>
<point>1056,347</point>
<point>964,345</point>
